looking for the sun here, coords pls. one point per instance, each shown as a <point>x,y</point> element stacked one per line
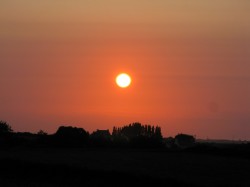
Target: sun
<point>123,80</point>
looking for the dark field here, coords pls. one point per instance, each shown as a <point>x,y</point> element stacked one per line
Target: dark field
<point>115,167</point>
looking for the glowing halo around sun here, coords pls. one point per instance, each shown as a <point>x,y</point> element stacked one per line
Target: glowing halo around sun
<point>123,80</point>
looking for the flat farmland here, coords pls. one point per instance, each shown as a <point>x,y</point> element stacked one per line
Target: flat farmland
<point>119,167</point>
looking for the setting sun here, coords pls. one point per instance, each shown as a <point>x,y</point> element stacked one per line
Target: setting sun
<point>123,80</point>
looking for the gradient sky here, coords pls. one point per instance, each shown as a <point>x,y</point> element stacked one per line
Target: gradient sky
<point>189,61</point>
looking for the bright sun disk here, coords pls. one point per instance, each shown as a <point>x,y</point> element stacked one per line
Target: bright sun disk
<point>123,80</point>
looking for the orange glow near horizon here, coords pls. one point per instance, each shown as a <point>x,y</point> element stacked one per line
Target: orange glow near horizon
<point>188,61</point>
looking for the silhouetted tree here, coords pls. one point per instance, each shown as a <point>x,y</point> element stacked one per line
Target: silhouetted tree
<point>169,142</point>
<point>6,134</point>
<point>153,130</point>
<point>149,130</point>
<point>184,140</point>
<point>69,131</point>
<point>42,133</point>
<point>43,138</point>
<point>5,127</point>
<point>115,131</point>
<point>100,138</point>
<point>138,135</point>
<point>157,133</point>
<point>68,135</point>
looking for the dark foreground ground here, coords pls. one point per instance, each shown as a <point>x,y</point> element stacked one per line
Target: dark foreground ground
<point>114,167</point>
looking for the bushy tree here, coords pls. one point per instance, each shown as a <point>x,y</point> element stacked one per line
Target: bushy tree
<point>5,127</point>
<point>184,140</point>
<point>68,135</point>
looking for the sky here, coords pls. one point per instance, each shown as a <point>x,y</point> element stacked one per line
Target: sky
<point>189,62</point>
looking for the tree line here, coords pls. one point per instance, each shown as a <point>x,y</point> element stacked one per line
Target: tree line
<point>132,135</point>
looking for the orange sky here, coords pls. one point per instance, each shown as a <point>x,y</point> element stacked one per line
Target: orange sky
<point>189,61</point>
